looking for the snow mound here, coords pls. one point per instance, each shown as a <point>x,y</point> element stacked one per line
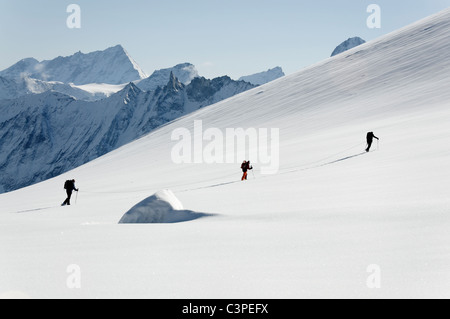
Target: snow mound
<point>161,208</point>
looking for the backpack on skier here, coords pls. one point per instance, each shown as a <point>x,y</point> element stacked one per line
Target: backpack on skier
<point>246,166</point>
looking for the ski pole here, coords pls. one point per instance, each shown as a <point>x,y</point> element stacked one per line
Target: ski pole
<point>76,198</point>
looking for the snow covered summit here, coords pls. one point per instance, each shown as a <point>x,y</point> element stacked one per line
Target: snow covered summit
<point>264,77</point>
<point>111,66</point>
<point>184,72</point>
<point>347,45</point>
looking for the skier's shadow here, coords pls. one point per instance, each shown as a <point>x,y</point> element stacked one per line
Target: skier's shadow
<point>344,159</point>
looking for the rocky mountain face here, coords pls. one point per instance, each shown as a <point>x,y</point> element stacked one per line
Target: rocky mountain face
<point>44,135</point>
<point>56,115</point>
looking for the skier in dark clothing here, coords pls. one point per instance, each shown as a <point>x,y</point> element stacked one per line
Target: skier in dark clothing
<point>370,137</point>
<point>69,186</point>
<point>245,167</point>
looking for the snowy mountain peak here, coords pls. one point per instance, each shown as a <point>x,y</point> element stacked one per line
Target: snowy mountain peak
<point>21,69</point>
<point>264,77</point>
<point>347,45</point>
<point>129,92</point>
<point>111,66</point>
<point>184,72</point>
<point>119,49</point>
<point>174,84</point>
<point>130,87</point>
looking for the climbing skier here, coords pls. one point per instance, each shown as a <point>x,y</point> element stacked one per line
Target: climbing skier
<point>69,186</point>
<point>245,167</point>
<point>370,137</point>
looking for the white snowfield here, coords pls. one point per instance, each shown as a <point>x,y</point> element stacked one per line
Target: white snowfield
<point>335,222</point>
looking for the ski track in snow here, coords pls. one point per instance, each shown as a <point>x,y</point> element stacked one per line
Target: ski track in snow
<point>35,210</point>
<point>218,185</point>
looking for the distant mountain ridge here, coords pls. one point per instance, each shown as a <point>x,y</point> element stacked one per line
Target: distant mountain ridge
<point>111,66</point>
<point>347,45</point>
<point>12,88</point>
<point>184,72</point>
<point>97,75</point>
<point>264,77</point>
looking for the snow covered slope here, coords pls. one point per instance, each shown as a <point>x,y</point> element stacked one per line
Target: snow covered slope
<point>318,228</point>
<point>96,91</point>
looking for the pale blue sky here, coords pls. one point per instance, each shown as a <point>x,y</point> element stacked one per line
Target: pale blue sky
<point>227,37</point>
